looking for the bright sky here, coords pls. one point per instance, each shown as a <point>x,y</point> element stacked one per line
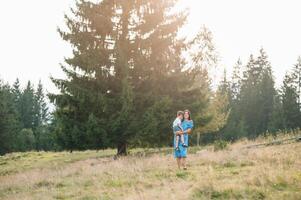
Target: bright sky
<point>31,48</point>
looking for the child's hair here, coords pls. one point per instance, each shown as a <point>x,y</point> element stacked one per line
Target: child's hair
<point>180,113</point>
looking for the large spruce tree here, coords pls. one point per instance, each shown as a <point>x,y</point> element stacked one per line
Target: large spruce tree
<point>126,67</point>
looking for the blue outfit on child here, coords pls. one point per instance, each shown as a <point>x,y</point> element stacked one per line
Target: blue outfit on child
<point>182,152</point>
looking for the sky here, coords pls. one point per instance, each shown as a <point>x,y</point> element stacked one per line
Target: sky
<point>31,48</point>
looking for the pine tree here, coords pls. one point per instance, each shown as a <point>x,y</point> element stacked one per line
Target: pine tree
<point>202,50</point>
<point>297,77</point>
<point>41,115</point>
<point>249,94</point>
<point>210,108</point>
<point>267,91</point>
<point>219,107</point>
<point>235,127</point>
<point>224,87</point>
<point>277,121</point>
<point>290,103</point>
<point>236,81</point>
<point>23,118</point>
<point>40,107</point>
<point>155,121</point>
<point>124,52</point>
<point>16,91</point>
<point>257,95</point>
<point>8,119</point>
<point>27,106</point>
<point>97,136</point>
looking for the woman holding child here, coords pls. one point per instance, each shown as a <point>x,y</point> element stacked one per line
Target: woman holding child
<point>180,152</point>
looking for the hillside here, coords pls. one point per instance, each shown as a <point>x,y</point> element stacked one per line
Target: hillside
<point>271,172</point>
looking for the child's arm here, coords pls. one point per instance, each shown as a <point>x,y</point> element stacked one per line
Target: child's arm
<point>179,125</point>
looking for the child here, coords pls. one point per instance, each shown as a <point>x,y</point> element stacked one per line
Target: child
<point>177,127</point>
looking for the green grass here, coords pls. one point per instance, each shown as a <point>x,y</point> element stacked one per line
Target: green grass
<point>208,193</point>
<point>18,162</point>
<point>233,173</point>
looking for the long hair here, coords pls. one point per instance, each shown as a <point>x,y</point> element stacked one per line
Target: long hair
<point>188,113</point>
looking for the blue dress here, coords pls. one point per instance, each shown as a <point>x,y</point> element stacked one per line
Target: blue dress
<point>182,152</point>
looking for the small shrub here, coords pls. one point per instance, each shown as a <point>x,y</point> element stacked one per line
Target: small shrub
<point>3,163</point>
<point>43,183</point>
<point>89,198</point>
<point>247,163</point>
<point>88,183</point>
<point>61,185</point>
<point>220,145</point>
<point>229,164</point>
<point>182,175</point>
<point>105,197</point>
<point>25,140</point>
<point>210,193</point>
<point>115,183</point>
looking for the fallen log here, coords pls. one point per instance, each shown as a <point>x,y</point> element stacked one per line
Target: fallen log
<point>275,142</point>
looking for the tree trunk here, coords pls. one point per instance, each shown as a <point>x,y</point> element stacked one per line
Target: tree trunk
<point>198,138</point>
<point>121,149</point>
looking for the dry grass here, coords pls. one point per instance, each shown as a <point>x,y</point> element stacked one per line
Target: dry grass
<point>272,172</point>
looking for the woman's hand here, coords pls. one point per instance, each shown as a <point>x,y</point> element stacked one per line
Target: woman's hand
<point>179,133</point>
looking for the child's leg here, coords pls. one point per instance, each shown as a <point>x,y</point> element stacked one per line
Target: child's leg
<point>177,141</point>
<point>175,129</point>
<point>182,139</point>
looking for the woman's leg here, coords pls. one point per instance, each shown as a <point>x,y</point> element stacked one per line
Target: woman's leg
<point>179,163</point>
<point>184,163</point>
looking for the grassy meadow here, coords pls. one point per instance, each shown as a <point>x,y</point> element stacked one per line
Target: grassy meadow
<point>270,172</point>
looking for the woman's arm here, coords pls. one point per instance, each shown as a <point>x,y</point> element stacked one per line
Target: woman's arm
<point>179,133</point>
<point>188,131</point>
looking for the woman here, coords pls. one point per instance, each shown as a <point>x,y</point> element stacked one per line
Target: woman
<point>181,154</point>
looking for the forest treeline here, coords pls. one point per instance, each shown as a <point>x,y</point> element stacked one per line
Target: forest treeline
<point>129,74</point>
<point>24,118</point>
<point>256,106</point>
